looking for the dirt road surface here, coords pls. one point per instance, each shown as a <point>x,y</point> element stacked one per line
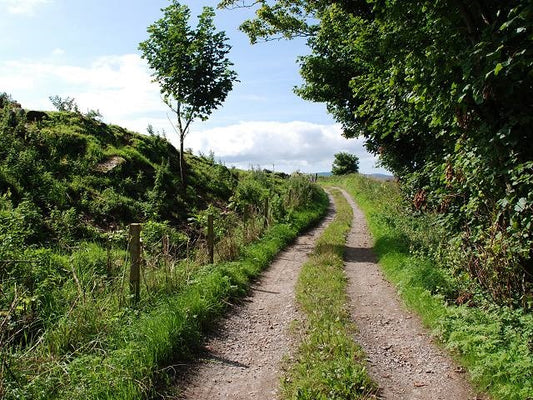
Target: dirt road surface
<point>243,358</point>
<point>401,356</point>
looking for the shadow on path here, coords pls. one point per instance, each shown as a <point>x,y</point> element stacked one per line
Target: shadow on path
<point>223,360</point>
<point>359,254</point>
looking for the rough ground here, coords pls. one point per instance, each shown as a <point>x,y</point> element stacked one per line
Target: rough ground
<point>243,358</point>
<point>401,356</point>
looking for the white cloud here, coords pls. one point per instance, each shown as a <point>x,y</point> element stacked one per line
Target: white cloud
<point>22,7</point>
<point>289,146</point>
<point>121,88</point>
<point>58,52</point>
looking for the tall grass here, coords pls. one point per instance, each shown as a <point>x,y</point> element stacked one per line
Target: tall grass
<point>328,364</point>
<point>102,351</point>
<point>494,343</point>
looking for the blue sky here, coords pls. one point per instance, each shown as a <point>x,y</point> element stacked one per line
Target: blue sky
<point>89,50</point>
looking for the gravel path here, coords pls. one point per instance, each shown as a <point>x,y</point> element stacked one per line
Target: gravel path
<point>243,358</point>
<point>401,356</point>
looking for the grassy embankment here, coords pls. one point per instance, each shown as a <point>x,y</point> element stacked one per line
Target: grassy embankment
<point>175,326</point>
<point>69,186</point>
<point>494,343</point>
<point>125,358</point>
<point>328,364</point>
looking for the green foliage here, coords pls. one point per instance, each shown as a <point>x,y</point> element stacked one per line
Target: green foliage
<point>153,233</point>
<point>64,104</point>
<point>329,365</point>
<point>190,65</point>
<point>250,192</point>
<point>19,226</point>
<point>82,177</point>
<point>99,352</point>
<point>493,342</point>
<point>442,93</point>
<point>218,181</point>
<point>345,163</point>
<point>69,186</point>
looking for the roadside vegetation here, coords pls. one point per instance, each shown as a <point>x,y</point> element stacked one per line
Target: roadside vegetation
<point>69,187</point>
<point>442,94</point>
<point>494,342</point>
<point>328,363</point>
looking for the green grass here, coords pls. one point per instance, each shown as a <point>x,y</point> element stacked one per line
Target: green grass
<point>328,364</point>
<point>66,324</point>
<point>170,329</point>
<point>494,343</point>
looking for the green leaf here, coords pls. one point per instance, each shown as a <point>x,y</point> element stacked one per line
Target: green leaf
<point>521,205</point>
<point>498,68</point>
<point>505,25</point>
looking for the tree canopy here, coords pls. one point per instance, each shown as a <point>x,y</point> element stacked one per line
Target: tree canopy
<point>190,65</point>
<point>345,163</point>
<point>442,91</point>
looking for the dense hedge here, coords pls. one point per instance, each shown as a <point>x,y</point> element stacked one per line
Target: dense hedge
<point>442,91</point>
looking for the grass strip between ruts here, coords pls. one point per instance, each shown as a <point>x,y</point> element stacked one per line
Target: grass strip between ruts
<point>175,327</point>
<point>328,363</point>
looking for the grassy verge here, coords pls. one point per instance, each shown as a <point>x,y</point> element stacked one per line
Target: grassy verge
<point>328,364</point>
<point>170,331</point>
<point>494,343</point>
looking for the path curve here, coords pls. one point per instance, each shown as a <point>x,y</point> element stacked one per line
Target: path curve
<point>243,358</point>
<point>401,356</point>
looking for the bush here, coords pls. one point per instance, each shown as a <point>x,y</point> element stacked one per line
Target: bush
<point>153,233</point>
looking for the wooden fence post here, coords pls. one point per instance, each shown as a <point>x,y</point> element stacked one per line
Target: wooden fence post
<point>266,212</point>
<point>135,260</point>
<point>210,239</point>
<point>166,254</point>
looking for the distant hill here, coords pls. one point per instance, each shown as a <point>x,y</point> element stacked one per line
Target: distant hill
<point>382,177</point>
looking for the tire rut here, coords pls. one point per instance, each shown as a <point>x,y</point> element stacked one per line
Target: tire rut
<point>242,358</point>
<point>401,355</point>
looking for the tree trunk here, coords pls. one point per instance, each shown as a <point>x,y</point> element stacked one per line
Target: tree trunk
<point>183,172</point>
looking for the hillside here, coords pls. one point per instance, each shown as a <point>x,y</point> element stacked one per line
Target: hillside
<point>69,187</point>
<point>78,177</point>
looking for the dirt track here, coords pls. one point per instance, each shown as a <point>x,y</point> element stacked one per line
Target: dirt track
<point>242,359</point>
<point>401,356</point>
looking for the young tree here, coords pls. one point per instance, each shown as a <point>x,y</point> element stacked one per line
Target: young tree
<point>190,65</point>
<point>64,104</point>
<point>345,163</point>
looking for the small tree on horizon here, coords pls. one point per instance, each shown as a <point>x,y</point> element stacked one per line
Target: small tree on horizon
<point>345,163</point>
<point>190,65</point>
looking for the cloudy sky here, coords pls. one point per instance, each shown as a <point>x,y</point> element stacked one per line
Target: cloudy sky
<point>89,50</point>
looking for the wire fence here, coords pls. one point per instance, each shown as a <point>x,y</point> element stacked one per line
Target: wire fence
<point>37,295</point>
